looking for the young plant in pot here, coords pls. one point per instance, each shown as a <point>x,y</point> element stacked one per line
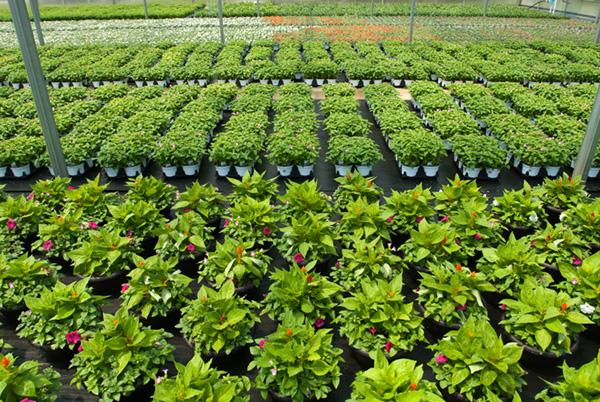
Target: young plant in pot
<point>310,237</point>
<point>354,186</point>
<point>138,220</point>
<point>432,243</point>
<point>253,221</point>
<point>20,217</point>
<point>197,380</point>
<point>562,193</point>
<point>235,261</point>
<point>252,185</point>
<point>303,197</point>
<point>93,200</point>
<point>203,199</point>
<point>21,277</point>
<point>59,317</point>
<point>393,381</point>
<point>475,227</point>
<point>583,281</point>
<point>121,358</point>
<point>51,194</point>
<point>153,191</point>
<point>125,150</point>
<point>375,318</point>
<point>180,149</point>
<point>285,368</point>
<point>363,220</point>
<point>27,380</point>
<point>499,375</point>
<point>59,235</point>
<point>584,220</point>
<point>520,211</point>
<point>449,295</point>
<point>218,323</point>
<point>302,291</point>
<point>187,238</point>
<point>404,211</point>
<point>105,257</point>
<point>546,322</point>
<point>156,290</point>
<point>366,261</point>
<point>452,195</point>
<point>286,150</point>
<point>558,244</point>
<point>22,153</point>
<point>417,148</point>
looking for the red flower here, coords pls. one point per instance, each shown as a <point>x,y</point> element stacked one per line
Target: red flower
<point>30,196</point>
<point>11,224</point>
<point>92,225</point>
<point>461,307</point>
<point>309,278</point>
<point>391,218</point>
<point>191,248</point>
<point>289,332</point>
<point>262,342</point>
<point>80,348</point>
<point>186,210</point>
<point>226,223</point>
<point>319,322</point>
<point>27,400</point>
<point>373,330</point>
<point>47,245</point>
<point>73,337</point>
<point>388,346</point>
<point>503,307</point>
<point>70,188</point>
<point>576,261</point>
<point>267,231</point>
<point>124,287</point>
<point>5,361</point>
<point>564,306</point>
<point>419,219</point>
<point>413,386</point>
<point>458,267</point>
<point>477,236</point>
<point>441,359</point>
<point>298,258</point>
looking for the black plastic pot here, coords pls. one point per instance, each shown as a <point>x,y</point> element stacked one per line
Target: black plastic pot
<point>281,398</point>
<point>141,393</point>
<point>65,266</point>
<point>494,298</point>
<point>107,285</point>
<point>147,246</point>
<point>188,267</point>
<point>534,357</point>
<point>11,315</point>
<point>399,239</point>
<point>595,247</point>
<point>518,231</point>
<point>60,358</point>
<point>553,213</point>
<point>554,272</point>
<point>325,264</point>
<point>460,397</point>
<point>437,329</point>
<point>167,322</point>
<point>242,290</point>
<point>592,332</point>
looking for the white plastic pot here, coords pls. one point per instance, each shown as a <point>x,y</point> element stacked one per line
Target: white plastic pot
<point>377,81</point>
<point>111,172</point>
<point>275,82</point>
<point>492,173</point>
<point>409,171</point>
<point>191,82</point>
<point>139,84</point>
<point>308,81</point>
<point>447,145</point>
<point>264,82</point>
<point>364,170</point>
<point>342,170</point>
<point>242,170</point>
<point>55,85</point>
<point>26,85</point>
<point>16,85</point>
<point>355,83</point>
<point>202,82</point>
<point>76,170</point>
<point>190,170</point>
<point>90,162</point>
<point>222,171</point>
<point>3,170</point>
<point>592,173</point>
<point>472,173</point>
<point>431,171</point>
<point>320,81</point>
<point>366,82</point>
<point>169,171</point>
<point>552,171</point>
<point>95,84</point>
<point>516,162</point>
<point>285,171</point>
<point>407,83</point>
<point>532,171</point>
<point>397,83</point>
<point>331,80</point>
<point>573,162</point>
<point>21,171</point>
<point>305,170</point>
<point>286,81</point>
<point>77,84</point>
<point>132,171</point>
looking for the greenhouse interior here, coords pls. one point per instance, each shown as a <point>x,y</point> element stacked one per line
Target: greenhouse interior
<point>293,200</point>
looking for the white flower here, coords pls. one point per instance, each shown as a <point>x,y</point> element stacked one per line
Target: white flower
<point>495,203</point>
<point>533,217</point>
<point>587,308</point>
<point>274,371</point>
<point>562,216</point>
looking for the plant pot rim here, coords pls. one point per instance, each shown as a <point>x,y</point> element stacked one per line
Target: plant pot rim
<point>536,352</point>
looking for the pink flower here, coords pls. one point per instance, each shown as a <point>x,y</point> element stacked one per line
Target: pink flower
<point>262,342</point>
<point>574,281</point>
<point>70,188</point>
<point>477,236</point>
<point>11,224</point>
<point>80,348</point>
<point>47,245</point>
<point>576,261</point>
<point>124,287</point>
<point>159,379</point>
<point>274,371</point>
<point>441,359</point>
<point>73,337</point>
<point>319,322</point>
<point>226,223</point>
<point>337,264</point>
<point>267,231</point>
<point>30,196</point>
<point>444,218</point>
<point>92,225</point>
<point>388,346</point>
<point>391,218</point>
<point>533,243</point>
<point>186,210</point>
<point>373,330</point>
<point>27,400</point>
<point>419,219</point>
<point>191,248</point>
<point>298,258</point>
<point>503,307</point>
<point>462,307</point>
<point>11,285</point>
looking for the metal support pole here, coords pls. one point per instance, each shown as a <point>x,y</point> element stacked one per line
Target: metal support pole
<point>590,142</point>
<point>258,8</point>
<point>35,10</point>
<point>597,37</point>
<point>412,20</point>
<point>39,88</point>
<point>220,4</point>
<point>372,7</point>
<point>597,15</point>
<point>485,7</point>
<point>146,9</point>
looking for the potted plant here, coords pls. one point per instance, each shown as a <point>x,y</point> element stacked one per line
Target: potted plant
<point>59,235</point>
<point>252,185</point>
<point>218,323</point>
<point>93,200</point>
<point>303,197</point>
<point>251,220</point>
<point>302,291</point>
<point>499,376</point>
<point>284,367</point>
<point>584,220</point>
<point>21,217</point>
<point>21,154</point>
<point>27,380</point>
<point>375,318</point>
<point>151,190</point>
<point>203,199</point>
<point>453,194</point>
<point>449,295</point>
<point>156,290</point>
<point>120,360</point>
<point>544,321</point>
<point>583,282</point>
<point>180,149</point>
<point>125,150</point>
<point>475,227</point>
<point>362,219</point>
<point>558,244</point>
<point>139,220</point>
<point>310,237</point>
<point>197,380</point>
<point>417,148</point>
<point>366,261</point>
<point>20,277</point>
<point>361,152</point>
<point>59,317</point>
<point>392,381</point>
<point>51,194</point>
<point>521,211</point>
<point>235,261</point>
<point>354,186</point>
<point>432,243</point>
<point>561,194</point>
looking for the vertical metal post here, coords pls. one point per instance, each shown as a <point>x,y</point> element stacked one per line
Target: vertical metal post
<point>39,89</point>
<point>372,7</point>
<point>220,5</point>
<point>412,20</point>
<point>258,8</point>
<point>597,37</point>
<point>590,142</point>
<point>146,9</point>
<point>485,7</point>
<point>597,14</point>
<point>35,10</point>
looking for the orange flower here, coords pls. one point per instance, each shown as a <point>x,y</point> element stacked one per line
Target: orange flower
<point>289,332</point>
<point>391,293</point>
<point>5,361</point>
<point>309,278</point>
<point>458,267</point>
<point>203,299</point>
<point>473,274</point>
<point>564,306</point>
<point>413,386</point>
<point>238,250</point>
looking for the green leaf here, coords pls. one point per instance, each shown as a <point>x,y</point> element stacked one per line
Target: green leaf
<point>459,376</point>
<point>123,362</point>
<point>543,338</point>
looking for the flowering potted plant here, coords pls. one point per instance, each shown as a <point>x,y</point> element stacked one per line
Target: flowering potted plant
<point>121,358</point>
<point>544,321</point>
<point>218,323</point>
<point>416,148</point>
<point>475,227</point>
<point>302,291</point>
<point>521,211</point>
<point>584,220</point>
<point>156,290</point>
<point>20,277</point>
<point>361,152</point>
<point>58,318</point>
<point>180,149</point>
<point>450,295</point>
<point>197,380</point>
<point>309,237</point>
<point>59,235</point>
<point>235,261</point>
<point>252,185</point>
<point>52,193</point>
<point>561,194</point>
<point>366,260</point>
<point>151,190</point>
<point>393,381</point>
<point>203,199</point>
<point>583,281</point>
<point>375,318</point>
<point>405,210</point>
<point>499,374</point>
<point>452,195</point>
<point>251,220</point>
<point>285,369</point>
<point>21,217</point>
<point>27,380</point>
<point>139,220</point>
<point>558,244</point>
<point>301,198</point>
<point>93,200</point>
<point>362,219</point>
<point>432,243</point>
<point>354,186</point>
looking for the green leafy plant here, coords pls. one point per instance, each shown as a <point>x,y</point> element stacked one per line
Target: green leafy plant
<point>558,244</point>
<point>92,199</point>
<point>152,191</point>
<point>407,208</point>
<point>204,199</point>
<point>432,243</point>
<point>354,186</point>
<point>520,208</point>
<point>24,276</point>
<point>139,219</point>
<point>27,380</point>
<point>186,237</point>
<point>563,192</point>
<point>253,186</point>
<point>417,148</point>
<point>584,220</point>
<point>362,219</point>
<point>583,281</point>
<point>452,195</point>
<point>309,237</point>
<point>104,253</point>
<point>251,220</point>
<point>303,197</point>
<point>59,235</point>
